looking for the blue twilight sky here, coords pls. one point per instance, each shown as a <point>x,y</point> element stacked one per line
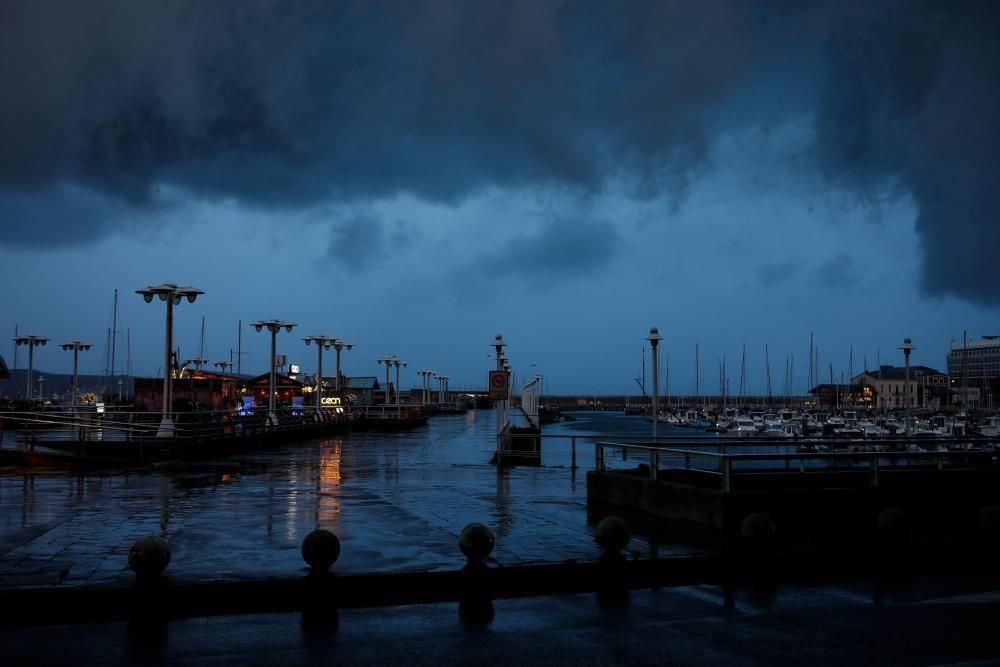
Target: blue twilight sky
<point>417,177</point>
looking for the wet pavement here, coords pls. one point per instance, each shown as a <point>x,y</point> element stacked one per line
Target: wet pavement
<point>914,622</point>
<point>396,500</point>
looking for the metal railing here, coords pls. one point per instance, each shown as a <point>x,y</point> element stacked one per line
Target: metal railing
<point>31,428</point>
<point>727,465</point>
<point>529,401</point>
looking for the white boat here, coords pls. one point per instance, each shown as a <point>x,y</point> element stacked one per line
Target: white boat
<point>743,427</point>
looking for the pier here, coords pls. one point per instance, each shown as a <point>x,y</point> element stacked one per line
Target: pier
<point>715,484</point>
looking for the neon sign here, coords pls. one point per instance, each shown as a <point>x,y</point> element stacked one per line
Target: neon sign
<point>330,400</point>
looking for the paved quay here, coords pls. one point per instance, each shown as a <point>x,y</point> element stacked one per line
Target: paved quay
<point>396,500</point>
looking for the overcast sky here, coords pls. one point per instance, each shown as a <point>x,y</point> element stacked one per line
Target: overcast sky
<point>417,177</point>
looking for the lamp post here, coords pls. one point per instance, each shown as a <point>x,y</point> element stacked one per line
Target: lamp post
<point>170,294</point>
<point>339,345</point>
<point>397,363</point>
<point>444,388</point>
<point>274,326</point>
<point>197,362</point>
<point>31,342</point>
<point>322,343</point>
<point>654,339</point>
<point>388,362</point>
<point>907,347</point>
<point>76,346</point>
<point>423,385</point>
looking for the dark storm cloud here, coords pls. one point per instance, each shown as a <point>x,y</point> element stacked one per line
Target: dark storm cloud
<point>356,243</point>
<point>772,275</point>
<point>915,98</point>
<point>838,273</point>
<point>558,248</point>
<point>290,104</point>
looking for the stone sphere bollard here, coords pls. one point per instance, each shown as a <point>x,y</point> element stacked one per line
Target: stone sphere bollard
<point>476,542</point>
<point>149,556</point>
<point>320,549</point>
<point>893,527</point>
<point>758,530</point>
<point>612,534</point>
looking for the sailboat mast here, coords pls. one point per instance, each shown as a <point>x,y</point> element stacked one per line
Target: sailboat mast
<point>810,381</point>
<point>201,343</point>
<point>114,335</point>
<point>128,360</point>
<point>767,369</point>
<point>697,371</point>
<point>17,333</point>
<point>239,348</point>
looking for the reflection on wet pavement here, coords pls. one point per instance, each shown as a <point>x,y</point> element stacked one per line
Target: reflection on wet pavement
<point>397,501</point>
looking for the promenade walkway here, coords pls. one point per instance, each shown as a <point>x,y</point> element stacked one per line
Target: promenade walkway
<point>397,501</point>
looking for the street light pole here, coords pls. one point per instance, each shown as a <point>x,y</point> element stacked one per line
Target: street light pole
<point>339,345</point>
<point>388,362</point>
<point>171,294</point>
<point>499,345</point>
<point>654,339</point>
<point>76,346</point>
<point>274,326</point>
<point>322,343</point>
<point>397,363</point>
<point>907,347</point>
<point>31,342</point>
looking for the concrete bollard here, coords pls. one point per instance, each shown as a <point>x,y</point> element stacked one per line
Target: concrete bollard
<point>476,605</point>
<point>476,541</point>
<point>758,531</point>
<point>320,549</point>
<point>893,528</point>
<point>148,557</point>
<point>613,535</point>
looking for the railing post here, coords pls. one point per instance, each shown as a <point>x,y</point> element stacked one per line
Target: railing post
<point>873,463</point>
<point>726,475</point>
<point>573,452</point>
<point>654,463</point>
<point>598,457</point>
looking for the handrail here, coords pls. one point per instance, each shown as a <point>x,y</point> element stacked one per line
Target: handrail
<point>726,460</point>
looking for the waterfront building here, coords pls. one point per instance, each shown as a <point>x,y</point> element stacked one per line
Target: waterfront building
<point>361,390</point>
<point>287,389</point>
<point>928,387</point>
<point>975,365</point>
<point>842,395</point>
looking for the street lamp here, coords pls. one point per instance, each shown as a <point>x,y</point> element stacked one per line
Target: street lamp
<point>197,362</point>
<point>907,347</point>
<point>654,339</point>
<point>339,345</point>
<point>274,326</point>
<point>443,379</point>
<point>322,343</point>
<point>170,294</point>
<point>31,342</point>
<point>425,396</point>
<point>76,346</point>
<point>397,363</point>
<point>388,362</point>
